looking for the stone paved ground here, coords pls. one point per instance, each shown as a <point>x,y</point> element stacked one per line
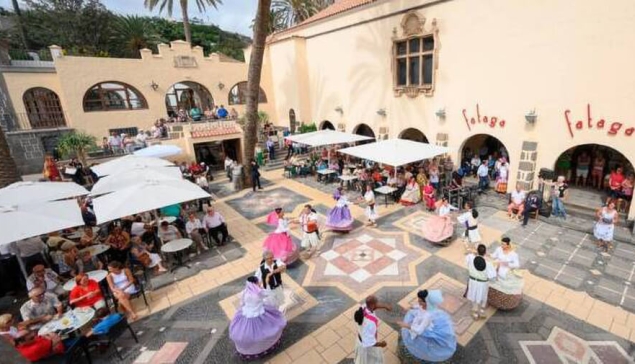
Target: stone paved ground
<point>577,308</point>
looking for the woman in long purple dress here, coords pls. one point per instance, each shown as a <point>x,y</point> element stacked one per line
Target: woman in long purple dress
<point>339,218</point>
<point>256,328</point>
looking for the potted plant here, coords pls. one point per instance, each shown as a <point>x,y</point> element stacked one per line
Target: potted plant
<point>77,144</point>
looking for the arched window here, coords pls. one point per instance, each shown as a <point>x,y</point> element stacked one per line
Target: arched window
<point>238,94</point>
<point>43,108</point>
<point>111,96</point>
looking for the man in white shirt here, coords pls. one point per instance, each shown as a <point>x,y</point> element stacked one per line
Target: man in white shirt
<point>141,138</point>
<point>214,223</point>
<point>517,202</point>
<point>310,233</point>
<point>269,274</point>
<point>114,141</point>
<point>483,176</point>
<point>229,164</point>
<point>168,232</point>
<point>193,227</point>
<point>369,348</point>
<point>45,278</point>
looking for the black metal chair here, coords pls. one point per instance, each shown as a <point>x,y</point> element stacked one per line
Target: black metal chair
<point>113,334</point>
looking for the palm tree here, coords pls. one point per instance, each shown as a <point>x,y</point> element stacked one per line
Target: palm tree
<point>8,169</point>
<point>294,12</point>
<point>169,4</point>
<point>76,144</point>
<point>261,26</point>
<point>133,33</point>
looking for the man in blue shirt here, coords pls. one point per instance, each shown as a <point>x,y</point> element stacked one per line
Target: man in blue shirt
<point>222,112</point>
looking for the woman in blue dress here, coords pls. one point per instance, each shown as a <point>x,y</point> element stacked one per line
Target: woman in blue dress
<point>427,332</point>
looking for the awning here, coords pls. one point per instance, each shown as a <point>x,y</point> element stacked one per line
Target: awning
<point>327,137</point>
<point>395,152</point>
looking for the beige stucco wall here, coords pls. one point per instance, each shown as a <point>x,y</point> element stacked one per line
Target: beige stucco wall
<point>507,56</point>
<point>75,75</point>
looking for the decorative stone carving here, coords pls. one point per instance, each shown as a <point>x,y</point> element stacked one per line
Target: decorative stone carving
<point>412,24</point>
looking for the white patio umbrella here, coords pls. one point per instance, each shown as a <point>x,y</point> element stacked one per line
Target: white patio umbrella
<point>22,193</point>
<point>396,152</point>
<point>127,163</point>
<point>145,196</point>
<point>120,181</point>
<point>327,137</point>
<point>26,221</point>
<point>159,151</point>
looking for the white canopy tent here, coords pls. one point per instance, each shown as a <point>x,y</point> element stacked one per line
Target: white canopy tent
<point>119,181</point>
<point>395,152</point>
<point>128,163</point>
<point>326,137</point>
<point>24,193</point>
<point>145,196</point>
<point>26,221</point>
<point>159,151</point>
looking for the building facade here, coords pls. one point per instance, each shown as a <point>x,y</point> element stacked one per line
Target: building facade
<point>539,78</point>
<point>43,99</point>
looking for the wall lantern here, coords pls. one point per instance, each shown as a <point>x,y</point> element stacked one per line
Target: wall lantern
<point>381,112</point>
<point>531,116</point>
<point>339,110</point>
<point>440,113</point>
<point>221,85</point>
<point>154,85</point>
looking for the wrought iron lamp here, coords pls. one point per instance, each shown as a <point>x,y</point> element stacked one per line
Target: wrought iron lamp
<point>381,112</point>
<point>531,116</point>
<point>154,85</point>
<point>440,113</point>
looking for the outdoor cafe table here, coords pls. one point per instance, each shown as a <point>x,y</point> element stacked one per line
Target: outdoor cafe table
<point>177,247</point>
<point>326,173</point>
<point>348,179</point>
<point>77,234</point>
<point>169,219</point>
<point>96,275</point>
<point>385,190</point>
<point>70,321</point>
<point>96,250</point>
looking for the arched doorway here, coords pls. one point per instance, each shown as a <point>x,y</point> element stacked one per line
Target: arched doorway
<point>365,130</point>
<point>43,108</point>
<point>413,134</point>
<point>188,95</point>
<point>327,125</point>
<point>485,147</point>
<point>292,121</point>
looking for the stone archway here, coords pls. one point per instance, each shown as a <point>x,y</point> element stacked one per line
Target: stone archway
<point>365,130</point>
<point>413,134</point>
<point>483,145</point>
<point>327,125</point>
<point>188,95</point>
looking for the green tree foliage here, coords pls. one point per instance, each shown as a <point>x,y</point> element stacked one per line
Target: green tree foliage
<point>86,27</point>
<point>76,143</point>
<point>169,6</point>
<point>292,12</point>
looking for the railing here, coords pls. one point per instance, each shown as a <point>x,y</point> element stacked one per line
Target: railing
<point>30,121</point>
<point>30,58</point>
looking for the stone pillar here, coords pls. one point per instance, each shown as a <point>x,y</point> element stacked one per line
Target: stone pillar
<point>527,165</point>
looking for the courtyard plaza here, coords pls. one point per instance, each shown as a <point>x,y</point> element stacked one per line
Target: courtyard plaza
<point>578,304</point>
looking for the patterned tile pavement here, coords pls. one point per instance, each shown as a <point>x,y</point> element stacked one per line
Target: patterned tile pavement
<point>187,321</point>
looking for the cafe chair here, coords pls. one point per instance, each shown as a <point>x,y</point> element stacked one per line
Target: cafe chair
<point>76,351</point>
<point>113,334</point>
<point>141,292</point>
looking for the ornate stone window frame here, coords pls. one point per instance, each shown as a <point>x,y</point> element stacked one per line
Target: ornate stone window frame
<point>412,27</point>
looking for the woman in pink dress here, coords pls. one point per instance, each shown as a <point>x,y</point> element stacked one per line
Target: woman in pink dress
<point>279,242</point>
<point>429,196</point>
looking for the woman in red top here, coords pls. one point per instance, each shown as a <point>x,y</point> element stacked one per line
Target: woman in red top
<point>50,169</point>
<point>87,294</point>
<point>615,185</point>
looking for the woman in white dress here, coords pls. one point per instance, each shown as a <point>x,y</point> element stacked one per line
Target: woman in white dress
<point>605,226</point>
<point>368,349</point>
<point>505,258</point>
<point>371,209</point>
<point>412,193</point>
<point>480,273</point>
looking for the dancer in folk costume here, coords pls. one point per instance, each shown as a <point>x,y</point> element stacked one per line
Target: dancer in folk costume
<point>269,273</point>
<point>427,332</point>
<point>310,234</point>
<point>371,209</point>
<point>429,196</point>
<point>279,242</point>
<point>369,349</point>
<point>339,218</point>
<point>256,327</point>
<point>469,219</point>
<point>480,273</point>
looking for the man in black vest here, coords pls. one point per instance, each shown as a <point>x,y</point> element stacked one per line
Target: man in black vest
<point>269,273</point>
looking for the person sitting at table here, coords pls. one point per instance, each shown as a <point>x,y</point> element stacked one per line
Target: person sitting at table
<point>168,232</point>
<point>141,252</point>
<point>149,237</point>
<point>411,194</point>
<point>88,238</point>
<point>87,293</point>
<point>334,166</point>
<point>378,178</point>
<point>322,165</point>
<point>31,346</point>
<point>194,229</point>
<point>214,223</point>
<point>119,242</point>
<point>45,278</point>
<point>121,283</point>
<point>41,308</point>
<point>138,226</point>
<point>174,211</point>
<point>71,264</point>
<point>90,261</point>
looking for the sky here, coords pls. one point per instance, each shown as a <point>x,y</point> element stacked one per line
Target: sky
<point>232,15</point>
